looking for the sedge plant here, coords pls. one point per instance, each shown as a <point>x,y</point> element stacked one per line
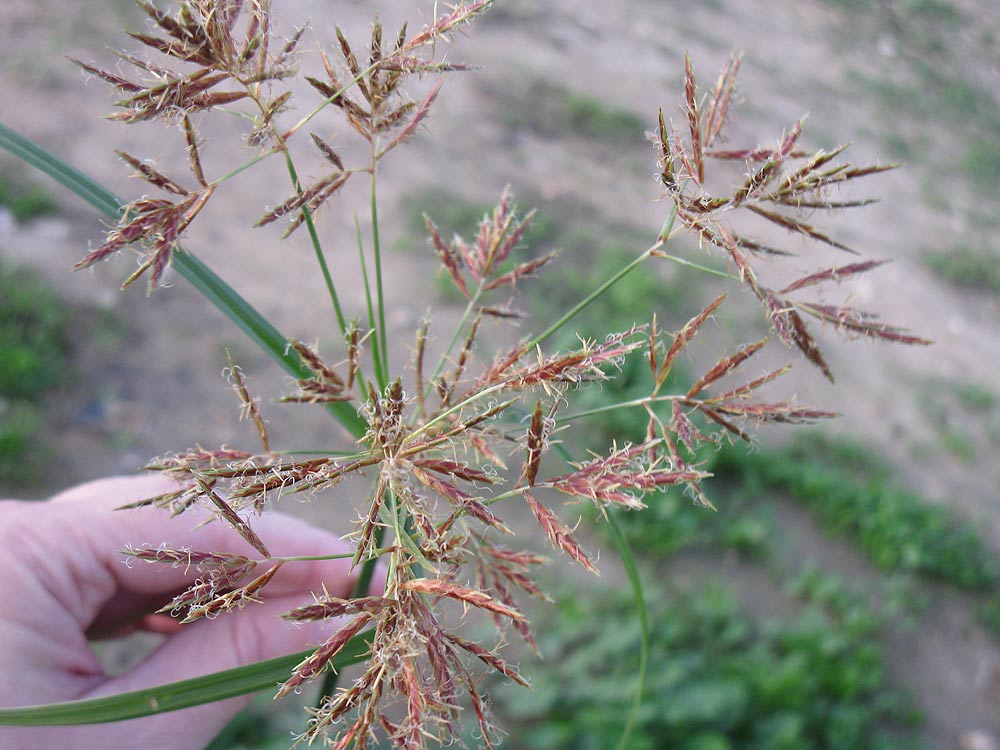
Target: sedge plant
<point>449,442</point>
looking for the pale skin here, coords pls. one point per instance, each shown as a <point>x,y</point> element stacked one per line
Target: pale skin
<point>63,582</point>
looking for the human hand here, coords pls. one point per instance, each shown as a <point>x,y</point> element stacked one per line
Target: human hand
<point>62,579</point>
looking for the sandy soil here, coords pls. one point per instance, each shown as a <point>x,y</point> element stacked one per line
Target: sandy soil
<point>154,385</point>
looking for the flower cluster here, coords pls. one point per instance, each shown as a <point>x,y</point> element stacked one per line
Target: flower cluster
<point>447,448</point>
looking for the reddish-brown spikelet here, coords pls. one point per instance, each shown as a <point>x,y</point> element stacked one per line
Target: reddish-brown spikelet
<point>308,198</point>
<point>437,587</point>
<point>800,227</point>
<point>832,274</point>
<point>560,536</point>
<point>536,443</point>
<point>665,160</point>
<point>718,107</point>
<point>449,258</point>
<point>852,320</point>
<point>725,366</point>
<point>782,412</point>
<point>187,558</point>
<point>232,518</point>
<point>327,607</point>
<point>236,599</point>
<point>684,428</point>
<point>723,422</point>
<point>194,159</point>
<point>317,661</point>
<point>746,388</point>
<point>790,326</point>
<point>694,121</point>
<point>488,657</point>
<point>455,469</point>
<point>682,337</point>
<point>418,117</point>
<point>465,502</point>
<point>151,175</point>
<point>250,406</point>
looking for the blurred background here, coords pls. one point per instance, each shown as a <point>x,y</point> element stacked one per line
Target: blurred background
<point>847,592</point>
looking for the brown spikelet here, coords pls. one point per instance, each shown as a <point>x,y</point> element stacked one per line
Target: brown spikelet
<point>792,330</point>
<point>854,321</point>
<point>250,407</point>
<point>684,428</point>
<point>194,159</point>
<point>488,657</point>
<point>799,227</point>
<point>327,607</point>
<point>231,517</point>
<point>666,159</point>
<point>718,106</point>
<point>328,153</point>
<point>151,175</point>
<point>308,198</point>
<point>716,417</point>
<point>560,536</point>
<point>682,337</point>
<point>832,274</point>
<point>479,599</point>
<point>725,366</point>
<point>413,123</point>
<point>236,599</point>
<point>520,271</point>
<point>747,388</point>
<point>318,660</point>
<point>694,120</point>
<point>536,442</point>
<point>449,258</point>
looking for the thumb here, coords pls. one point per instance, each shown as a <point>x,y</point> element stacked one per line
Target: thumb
<point>204,647</point>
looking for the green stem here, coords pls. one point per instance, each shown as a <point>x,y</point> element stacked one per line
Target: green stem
<point>452,410</point>
<point>310,558</point>
<point>586,301</point>
<point>620,405</point>
<point>642,612</point>
<point>262,675</point>
<point>317,248</point>
<point>380,374</point>
<point>632,571</point>
<point>661,240</point>
<point>379,293</point>
<point>454,339</point>
<point>246,165</point>
<point>696,266</point>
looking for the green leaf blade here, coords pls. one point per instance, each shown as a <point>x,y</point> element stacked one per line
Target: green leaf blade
<point>175,696</point>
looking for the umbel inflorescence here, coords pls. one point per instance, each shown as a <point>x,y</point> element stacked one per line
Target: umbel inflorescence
<point>448,445</point>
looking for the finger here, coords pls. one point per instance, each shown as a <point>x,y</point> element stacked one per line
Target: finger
<point>207,646</point>
<point>93,533</point>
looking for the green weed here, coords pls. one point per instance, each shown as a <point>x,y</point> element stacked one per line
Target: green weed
<point>24,200</point>
<point>718,679</point>
<point>33,360</point>
<point>898,530</point>
<point>552,110</point>
<point>33,342</point>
